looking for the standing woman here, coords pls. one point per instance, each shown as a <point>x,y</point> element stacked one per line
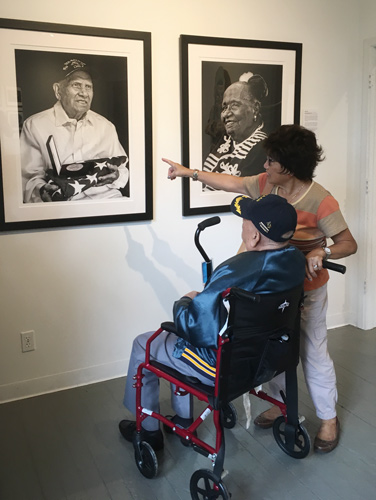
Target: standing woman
<point>292,156</point>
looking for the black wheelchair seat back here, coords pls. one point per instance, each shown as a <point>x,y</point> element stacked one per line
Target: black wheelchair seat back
<point>263,332</point>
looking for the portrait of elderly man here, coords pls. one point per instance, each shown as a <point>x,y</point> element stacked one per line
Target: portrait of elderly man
<point>240,151</point>
<point>69,152</point>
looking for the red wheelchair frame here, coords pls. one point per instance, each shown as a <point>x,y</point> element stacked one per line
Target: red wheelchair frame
<point>264,354</point>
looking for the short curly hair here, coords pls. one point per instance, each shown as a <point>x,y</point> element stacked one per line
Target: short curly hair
<point>296,149</point>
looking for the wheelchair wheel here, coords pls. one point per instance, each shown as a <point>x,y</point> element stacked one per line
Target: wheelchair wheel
<point>302,443</point>
<point>146,462</point>
<point>230,416</point>
<point>205,485</point>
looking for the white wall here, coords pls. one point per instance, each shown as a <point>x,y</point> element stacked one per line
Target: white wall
<point>88,291</point>
<point>364,162</point>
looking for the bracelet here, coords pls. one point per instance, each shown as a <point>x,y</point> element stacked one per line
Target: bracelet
<point>195,175</point>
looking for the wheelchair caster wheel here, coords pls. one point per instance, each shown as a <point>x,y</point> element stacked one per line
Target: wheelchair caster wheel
<point>205,485</point>
<point>146,460</point>
<point>302,441</point>
<point>230,416</point>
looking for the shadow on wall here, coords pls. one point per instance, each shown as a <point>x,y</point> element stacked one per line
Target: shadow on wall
<point>161,253</point>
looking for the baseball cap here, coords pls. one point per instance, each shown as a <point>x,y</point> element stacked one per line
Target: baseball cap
<point>272,215</point>
<point>73,65</point>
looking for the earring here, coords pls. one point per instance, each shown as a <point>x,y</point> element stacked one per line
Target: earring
<point>254,117</point>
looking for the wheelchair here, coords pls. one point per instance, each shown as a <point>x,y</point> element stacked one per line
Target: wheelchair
<point>260,341</point>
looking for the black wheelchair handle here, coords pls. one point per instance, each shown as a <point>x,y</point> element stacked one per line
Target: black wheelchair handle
<point>339,268</point>
<point>212,221</point>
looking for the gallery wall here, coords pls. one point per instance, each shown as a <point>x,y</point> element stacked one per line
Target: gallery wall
<point>88,291</point>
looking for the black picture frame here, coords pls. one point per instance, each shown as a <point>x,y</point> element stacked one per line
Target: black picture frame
<point>33,54</point>
<point>202,59</point>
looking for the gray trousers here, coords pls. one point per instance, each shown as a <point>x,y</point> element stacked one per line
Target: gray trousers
<point>161,350</point>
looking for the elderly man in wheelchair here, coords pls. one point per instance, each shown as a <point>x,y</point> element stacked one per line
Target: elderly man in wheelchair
<point>239,332</point>
<point>270,265</point>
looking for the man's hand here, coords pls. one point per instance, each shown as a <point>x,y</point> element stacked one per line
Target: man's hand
<point>109,178</point>
<point>46,192</point>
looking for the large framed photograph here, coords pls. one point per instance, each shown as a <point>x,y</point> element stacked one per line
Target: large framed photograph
<point>75,125</point>
<point>234,93</point>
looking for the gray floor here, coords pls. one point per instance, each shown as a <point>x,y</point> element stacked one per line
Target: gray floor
<point>66,445</point>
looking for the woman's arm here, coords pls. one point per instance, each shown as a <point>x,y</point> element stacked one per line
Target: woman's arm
<point>344,245</point>
<point>225,182</point>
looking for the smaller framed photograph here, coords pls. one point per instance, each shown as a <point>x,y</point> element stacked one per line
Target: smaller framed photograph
<point>75,125</point>
<point>234,93</point>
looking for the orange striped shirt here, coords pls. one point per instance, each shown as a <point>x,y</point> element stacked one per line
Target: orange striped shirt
<point>319,218</point>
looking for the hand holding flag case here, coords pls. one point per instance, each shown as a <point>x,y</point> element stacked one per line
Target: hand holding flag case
<point>73,178</point>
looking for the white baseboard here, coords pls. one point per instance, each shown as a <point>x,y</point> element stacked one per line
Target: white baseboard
<point>340,319</point>
<point>61,381</point>
<point>336,320</point>
<point>99,373</point>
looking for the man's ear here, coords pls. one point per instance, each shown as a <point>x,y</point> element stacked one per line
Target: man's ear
<point>255,240</point>
<point>56,88</point>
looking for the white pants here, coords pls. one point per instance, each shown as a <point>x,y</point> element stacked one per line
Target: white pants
<point>317,365</point>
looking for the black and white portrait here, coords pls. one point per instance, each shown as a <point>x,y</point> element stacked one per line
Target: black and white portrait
<point>241,104</point>
<point>235,92</point>
<point>73,114</point>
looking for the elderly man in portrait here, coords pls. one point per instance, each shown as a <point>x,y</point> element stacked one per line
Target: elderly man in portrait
<point>69,152</point>
<point>240,152</point>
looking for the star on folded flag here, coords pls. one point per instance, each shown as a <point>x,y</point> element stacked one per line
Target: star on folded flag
<point>77,187</point>
<point>101,165</point>
<point>92,179</point>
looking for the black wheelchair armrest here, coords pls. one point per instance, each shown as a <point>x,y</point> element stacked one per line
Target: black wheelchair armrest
<point>243,294</point>
<point>169,326</point>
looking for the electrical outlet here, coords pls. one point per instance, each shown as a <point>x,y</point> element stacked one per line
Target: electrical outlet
<point>28,341</point>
